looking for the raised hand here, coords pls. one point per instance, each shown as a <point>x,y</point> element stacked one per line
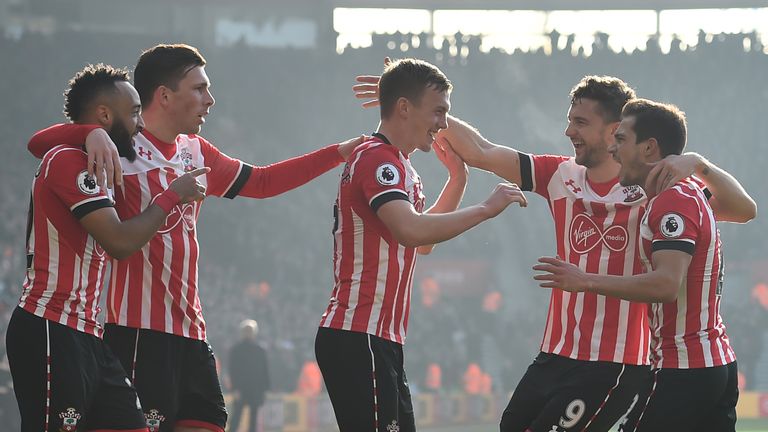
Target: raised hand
<point>369,87</point>
<point>452,162</point>
<point>103,159</point>
<point>188,188</point>
<point>503,195</point>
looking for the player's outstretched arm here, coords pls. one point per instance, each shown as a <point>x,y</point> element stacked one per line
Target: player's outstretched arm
<point>658,286</point>
<point>275,179</point>
<point>478,152</point>
<point>122,238</point>
<point>413,229</point>
<point>729,201</point>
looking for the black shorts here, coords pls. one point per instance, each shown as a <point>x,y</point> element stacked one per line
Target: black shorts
<point>680,400</point>
<point>559,394</point>
<point>365,380</point>
<point>175,377</point>
<point>89,389</point>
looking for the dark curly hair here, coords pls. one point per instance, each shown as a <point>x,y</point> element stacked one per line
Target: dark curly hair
<point>610,93</point>
<point>88,84</point>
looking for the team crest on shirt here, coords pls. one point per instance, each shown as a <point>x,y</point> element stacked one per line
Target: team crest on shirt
<point>87,184</point>
<point>154,418</point>
<point>632,193</point>
<point>387,175</point>
<point>186,160</point>
<point>69,420</point>
<point>672,225</point>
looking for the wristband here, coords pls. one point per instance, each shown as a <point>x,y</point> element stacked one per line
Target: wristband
<point>167,200</point>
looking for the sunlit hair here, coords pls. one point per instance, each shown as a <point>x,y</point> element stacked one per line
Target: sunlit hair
<point>664,122</point>
<point>409,78</point>
<point>88,84</point>
<point>164,65</point>
<point>610,93</point>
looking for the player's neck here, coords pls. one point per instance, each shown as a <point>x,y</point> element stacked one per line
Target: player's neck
<point>157,125</point>
<point>396,136</point>
<point>604,172</point>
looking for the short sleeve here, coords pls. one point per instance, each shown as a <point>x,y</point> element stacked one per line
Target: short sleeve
<point>675,221</point>
<point>381,177</point>
<point>537,170</point>
<point>66,177</point>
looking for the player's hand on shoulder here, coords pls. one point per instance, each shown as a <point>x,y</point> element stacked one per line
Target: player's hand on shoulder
<point>670,170</point>
<point>103,159</point>
<point>347,147</point>
<point>188,188</point>
<point>502,196</point>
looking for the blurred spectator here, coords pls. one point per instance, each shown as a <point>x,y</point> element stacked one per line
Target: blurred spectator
<point>248,374</point>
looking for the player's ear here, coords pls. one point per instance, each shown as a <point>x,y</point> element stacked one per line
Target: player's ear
<point>162,94</point>
<point>651,148</point>
<point>402,106</point>
<point>104,115</point>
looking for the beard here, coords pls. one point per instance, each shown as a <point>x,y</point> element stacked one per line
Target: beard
<point>123,140</point>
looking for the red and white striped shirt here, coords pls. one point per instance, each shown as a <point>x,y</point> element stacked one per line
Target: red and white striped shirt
<point>373,273</point>
<point>689,332</point>
<point>156,287</point>
<point>65,265</point>
<point>598,233</point>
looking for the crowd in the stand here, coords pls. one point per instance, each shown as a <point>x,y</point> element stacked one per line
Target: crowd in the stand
<point>270,260</point>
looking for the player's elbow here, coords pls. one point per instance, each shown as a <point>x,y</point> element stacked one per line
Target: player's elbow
<point>425,250</point>
<point>408,241</point>
<point>750,211</point>
<point>118,250</point>
<point>117,253</point>
<point>668,289</point>
<point>409,237</point>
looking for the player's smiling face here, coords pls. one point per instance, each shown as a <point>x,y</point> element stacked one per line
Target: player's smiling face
<point>191,101</point>
<point>428,117</point>
<point>589,133</point>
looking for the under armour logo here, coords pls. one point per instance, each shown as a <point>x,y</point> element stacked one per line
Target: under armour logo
<point>572,184</point>
<point>145,153</point>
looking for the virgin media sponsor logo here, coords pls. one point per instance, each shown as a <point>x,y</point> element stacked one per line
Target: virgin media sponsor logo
<point>585,235</point>
<point>182,213</point>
